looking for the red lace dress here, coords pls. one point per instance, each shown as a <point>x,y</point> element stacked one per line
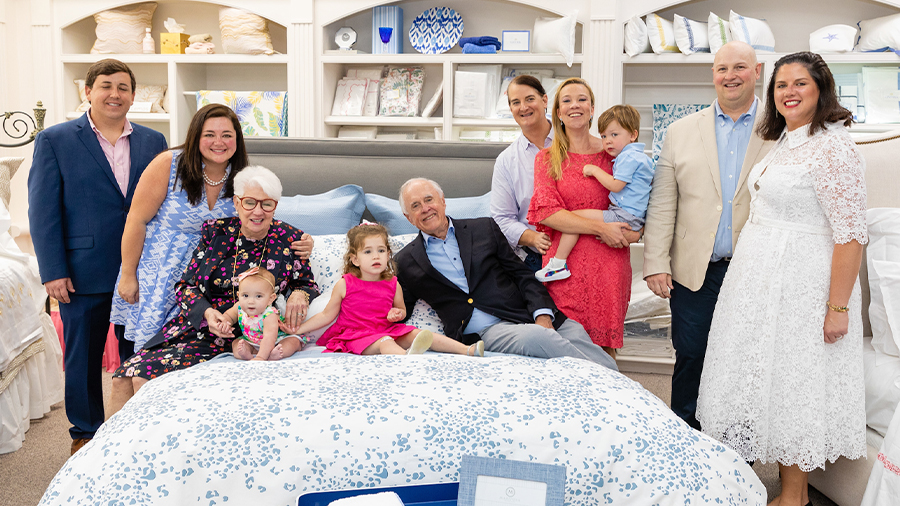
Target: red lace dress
<point>597,293</point>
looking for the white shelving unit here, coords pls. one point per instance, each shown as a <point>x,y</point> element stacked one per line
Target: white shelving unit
<point>303,32</point>
<point>687,79</point>
<point>480,18</point>
<point>182,74</point>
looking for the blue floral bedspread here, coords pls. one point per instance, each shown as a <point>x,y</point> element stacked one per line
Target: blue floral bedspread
<point>236,433</point>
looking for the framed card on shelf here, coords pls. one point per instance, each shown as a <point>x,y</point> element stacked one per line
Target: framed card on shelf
<point>516,40</point>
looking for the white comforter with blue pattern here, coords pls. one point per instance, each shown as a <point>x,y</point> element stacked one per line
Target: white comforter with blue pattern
<point>237,433</point>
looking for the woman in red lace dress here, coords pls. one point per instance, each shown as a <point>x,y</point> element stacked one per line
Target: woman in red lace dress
<point>597,293</point>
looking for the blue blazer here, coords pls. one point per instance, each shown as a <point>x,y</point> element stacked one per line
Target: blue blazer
<point>76,210</point>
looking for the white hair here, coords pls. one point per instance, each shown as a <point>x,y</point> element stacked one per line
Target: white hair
<point>257,175</point>
<point>417,180</point>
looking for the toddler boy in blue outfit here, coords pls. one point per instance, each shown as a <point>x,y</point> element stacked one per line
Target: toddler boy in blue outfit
<point>629,184</point>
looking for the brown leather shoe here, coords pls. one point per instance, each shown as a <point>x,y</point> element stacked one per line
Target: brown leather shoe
<point>78,443</point>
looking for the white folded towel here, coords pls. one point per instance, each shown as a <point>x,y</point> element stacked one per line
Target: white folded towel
<point>380,499</point>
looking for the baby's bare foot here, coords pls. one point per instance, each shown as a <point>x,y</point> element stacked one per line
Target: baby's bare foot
<point>242,350</point>
<point>277,353</point>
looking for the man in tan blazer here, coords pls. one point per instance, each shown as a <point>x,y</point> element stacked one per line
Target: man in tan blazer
<point>699,202</point>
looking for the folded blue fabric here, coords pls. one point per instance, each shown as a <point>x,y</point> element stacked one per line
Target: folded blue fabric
<point>480,41</point>
<point>476,49</point>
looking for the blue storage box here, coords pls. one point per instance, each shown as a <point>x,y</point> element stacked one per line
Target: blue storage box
<point>387,20</point>
<point>435,494</point>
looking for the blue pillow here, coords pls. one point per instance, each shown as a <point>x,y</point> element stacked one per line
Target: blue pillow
<point>386,211</point>
<point>332,212</point>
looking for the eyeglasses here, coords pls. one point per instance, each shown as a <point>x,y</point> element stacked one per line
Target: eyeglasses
<point>250,203</point>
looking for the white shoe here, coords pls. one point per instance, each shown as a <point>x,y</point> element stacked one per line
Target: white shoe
<point>552,273</point>
<point>476,349</point>
<point>421,343</point>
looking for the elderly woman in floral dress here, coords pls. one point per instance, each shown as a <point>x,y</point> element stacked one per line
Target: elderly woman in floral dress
<point>208,288</point>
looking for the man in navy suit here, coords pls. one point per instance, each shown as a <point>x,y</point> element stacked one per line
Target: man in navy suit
<point>467,272</point>
<point>82,179</point>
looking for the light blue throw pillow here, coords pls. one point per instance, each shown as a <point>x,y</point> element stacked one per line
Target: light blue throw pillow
<point>386,211</point>
<point>332,212</point>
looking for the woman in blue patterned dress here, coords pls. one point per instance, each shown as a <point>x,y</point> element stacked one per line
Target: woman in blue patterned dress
<point>179,191</point>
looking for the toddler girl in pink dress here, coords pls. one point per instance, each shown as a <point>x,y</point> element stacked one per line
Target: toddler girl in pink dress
<point>368,304</point>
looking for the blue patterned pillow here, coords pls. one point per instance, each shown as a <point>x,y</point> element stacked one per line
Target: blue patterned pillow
<point>332,212</point>
<point>663,116</point>
<point>387,211</point>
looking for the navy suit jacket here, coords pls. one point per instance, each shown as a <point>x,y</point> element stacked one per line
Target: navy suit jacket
<point>499,283</point>
<point>76,209</point>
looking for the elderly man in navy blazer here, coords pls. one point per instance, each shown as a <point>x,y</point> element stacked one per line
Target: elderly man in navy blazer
<point>82,179</point>
<point>467,272</point>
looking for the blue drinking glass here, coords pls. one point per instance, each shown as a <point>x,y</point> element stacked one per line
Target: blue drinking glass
<point>385,33</point>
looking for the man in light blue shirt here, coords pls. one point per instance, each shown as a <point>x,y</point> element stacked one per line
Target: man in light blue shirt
<point>470,276</point>
<point>699,201</point>
<point>513,183</point>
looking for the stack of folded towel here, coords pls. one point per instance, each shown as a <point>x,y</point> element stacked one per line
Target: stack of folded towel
<point>485,44</point>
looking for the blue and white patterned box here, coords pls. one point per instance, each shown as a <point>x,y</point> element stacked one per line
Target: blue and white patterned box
<point>389,16</point>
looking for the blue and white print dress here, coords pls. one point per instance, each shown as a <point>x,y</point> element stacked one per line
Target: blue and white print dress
<point>172,235</point>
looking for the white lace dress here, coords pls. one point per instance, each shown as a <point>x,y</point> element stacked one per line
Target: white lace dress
<point>772,389</point>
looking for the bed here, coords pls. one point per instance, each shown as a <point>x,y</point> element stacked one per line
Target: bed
<point>232,432</point>
<point>30,355</point>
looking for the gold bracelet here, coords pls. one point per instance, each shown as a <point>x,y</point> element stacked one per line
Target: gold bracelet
<point>837,309</point>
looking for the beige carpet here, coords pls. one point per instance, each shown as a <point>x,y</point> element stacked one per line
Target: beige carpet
<point>26,473</point>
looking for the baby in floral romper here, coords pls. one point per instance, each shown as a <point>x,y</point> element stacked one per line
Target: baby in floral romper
<point>258,320</point>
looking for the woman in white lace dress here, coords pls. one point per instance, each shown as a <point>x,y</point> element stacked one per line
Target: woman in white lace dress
<point>783,378</point>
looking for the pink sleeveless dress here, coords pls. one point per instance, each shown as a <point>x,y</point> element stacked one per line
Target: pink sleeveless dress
<point>363,317</point>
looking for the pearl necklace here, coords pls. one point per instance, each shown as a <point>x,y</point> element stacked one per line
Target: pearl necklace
<point>214,183</point>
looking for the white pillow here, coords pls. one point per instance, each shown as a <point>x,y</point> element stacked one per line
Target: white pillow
<point>755,32</point>
<point>661,33</point>
<point>882,256</point>
<point>121,30</point>
<point>718,31</point>
<point>244,32</point>
<point>556,35</point>
<point>691,36</point>
<point>879,34</point>
<point>832,39</point>
<point>636,40</point>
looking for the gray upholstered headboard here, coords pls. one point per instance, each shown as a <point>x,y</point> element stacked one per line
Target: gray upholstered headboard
<point>310,166</point>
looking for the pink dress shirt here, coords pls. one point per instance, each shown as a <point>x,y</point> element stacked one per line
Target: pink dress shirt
<point>118,155</point>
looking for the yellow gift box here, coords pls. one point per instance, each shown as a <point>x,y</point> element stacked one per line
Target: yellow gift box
<point>173,43</point>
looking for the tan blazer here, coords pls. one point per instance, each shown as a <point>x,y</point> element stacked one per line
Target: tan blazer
<point>686,199</point>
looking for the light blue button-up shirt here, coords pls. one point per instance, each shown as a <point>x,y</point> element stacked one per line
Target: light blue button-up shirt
<point>732,138</point>
<point>512,186</point>
<point>444,256</point>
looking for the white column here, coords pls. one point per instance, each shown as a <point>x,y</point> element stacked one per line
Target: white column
<point>602,62</point>
<point>41,87</point>
<point>302,81</point>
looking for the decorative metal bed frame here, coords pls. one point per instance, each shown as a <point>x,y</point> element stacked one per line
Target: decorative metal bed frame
<point>23,125</point>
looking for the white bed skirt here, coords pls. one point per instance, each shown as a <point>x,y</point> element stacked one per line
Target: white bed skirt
<point>36,386</point>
